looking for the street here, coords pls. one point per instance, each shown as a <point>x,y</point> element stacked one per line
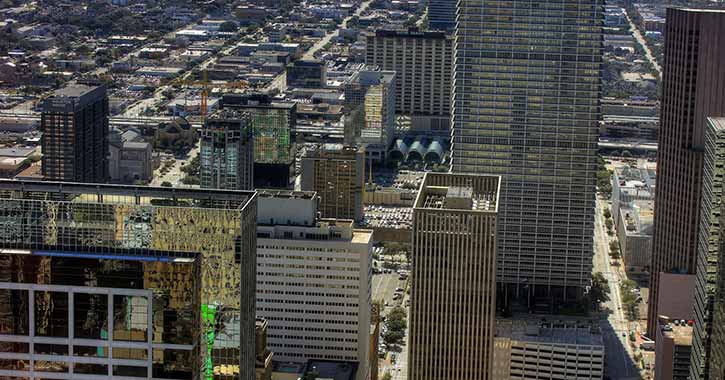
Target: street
<point>638,36</point>
<point>310,54</point>
<point>618,363</point>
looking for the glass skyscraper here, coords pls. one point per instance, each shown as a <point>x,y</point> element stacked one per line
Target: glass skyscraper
<point>526,89</point>
<point>127,281</point>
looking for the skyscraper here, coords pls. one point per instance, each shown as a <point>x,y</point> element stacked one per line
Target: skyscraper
<point>453,294</point>
<point>227,151</point>
<point>442,14</point>
<point>274,150</point>
<point>337,174</point>
<point>74,123</point>
<point>167,277</point>
<point>526,89</point>
<point>708,358</point>
<point>693,88</point>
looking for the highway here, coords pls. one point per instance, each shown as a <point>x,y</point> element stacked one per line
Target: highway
<point>618,362</point>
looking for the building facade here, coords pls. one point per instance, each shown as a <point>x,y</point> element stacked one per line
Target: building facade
<point>307,74</point>
<point>709,311</point>
<point>423,65</point>
<point>453,293</point>
<point>561,350</point>
<point>526,90</point>
<point>313,281</point>
<point>337,174</point>
<point>274,150</point>
<point>442,14</point>
<point>74,123</point>
<point>673,348</point>
<point>171,272</point>
<point>227,151</point>
<point>374,92</point>
<point>693,88</point>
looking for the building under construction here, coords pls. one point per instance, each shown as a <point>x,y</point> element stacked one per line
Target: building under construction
<point>273,146</point>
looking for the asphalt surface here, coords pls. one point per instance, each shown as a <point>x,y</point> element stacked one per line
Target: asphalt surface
<point>618,360</point>
<point>640,39</point>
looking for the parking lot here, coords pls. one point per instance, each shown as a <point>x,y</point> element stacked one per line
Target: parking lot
<point>388,217</point>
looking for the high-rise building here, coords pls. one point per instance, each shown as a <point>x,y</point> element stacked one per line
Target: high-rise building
<point>274,150</point>
<point>313,281</point>
<point>442,14</point>
<point>526,90</point>
<point>374,91</point>
<point>227,151</point>
<point>453,293</point>
<point>708,357</point>
<point>423,65</point>
<point>137,281</point>
<point>693,88</point>
<point>337,173</point>
<point>74,123</point>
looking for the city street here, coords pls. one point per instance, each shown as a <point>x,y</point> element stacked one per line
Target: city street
<point>310,54</point>
<point>640,40</point>
<point>619,363</point>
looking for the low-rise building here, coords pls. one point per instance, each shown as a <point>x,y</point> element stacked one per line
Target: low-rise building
<point>635,228</point>
<point>263,362</point>
<point>672,350</point>
<point>539,349</point>
<point>130,158</point>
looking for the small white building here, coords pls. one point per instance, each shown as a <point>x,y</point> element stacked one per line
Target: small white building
<point>313,281</point>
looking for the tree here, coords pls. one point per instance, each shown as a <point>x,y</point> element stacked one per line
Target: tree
<point>166,184</point>
<point>607,213</point>
<point>600,288</point>
<point>387,376</point>
<point>609,224</point>
<point>228,26</point>
<point>392,338</point>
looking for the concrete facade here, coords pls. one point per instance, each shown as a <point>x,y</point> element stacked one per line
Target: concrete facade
<point>313,282</point>
<point>453,293</point>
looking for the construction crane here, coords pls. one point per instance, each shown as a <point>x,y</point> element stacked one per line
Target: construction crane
<point>204,84</point>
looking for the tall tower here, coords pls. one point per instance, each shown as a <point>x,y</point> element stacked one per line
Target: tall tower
<point>453,297</point>
<point>74,123</point>
<point>227,151</point>
<point>526,89</point>
<point>693,88</point>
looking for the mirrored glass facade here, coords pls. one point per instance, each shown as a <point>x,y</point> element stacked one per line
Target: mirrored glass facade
<point>156,268</point>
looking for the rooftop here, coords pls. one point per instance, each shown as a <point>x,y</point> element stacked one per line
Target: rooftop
<point>330,370</point>
<point>75,90</point>
<point>571,332</point>
<point>286,194</point>
<point>126,194</point>
<point>681,334</point>
<point>459,192</point>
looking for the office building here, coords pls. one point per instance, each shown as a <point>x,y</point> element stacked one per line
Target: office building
<point>442,14</point>
<point>693,88</point>
<point>374,92</point>
<point>263,363</point>
<point>528,349</point>
<point>337,173</point>
<point>74,123</point>
<point>313,281</point>
<point>274,150</point>
<point>307,74</point>
<point>526,90</point>
<point>708,357</point>
<point>673,348</point>
<point>453,294</point>
<point>423,65</point>
<point>127,281</point>
<point>227,151</point>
